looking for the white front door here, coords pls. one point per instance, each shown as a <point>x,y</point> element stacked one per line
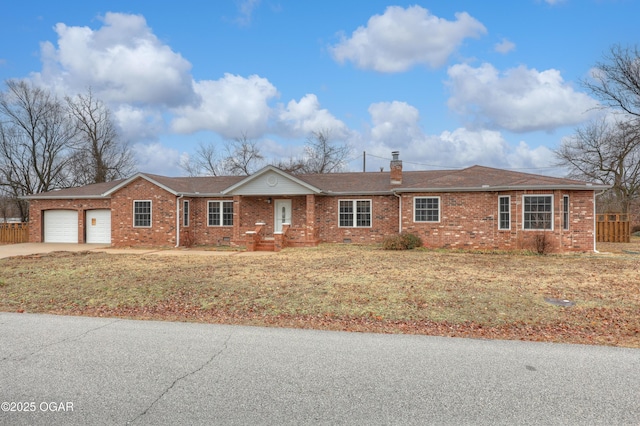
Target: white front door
<point>282,213</point>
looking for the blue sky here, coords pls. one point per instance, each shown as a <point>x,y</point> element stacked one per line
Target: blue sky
<point>448,84</point>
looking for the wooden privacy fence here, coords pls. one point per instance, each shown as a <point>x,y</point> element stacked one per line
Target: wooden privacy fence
<point>14,233</point>
<point>613,228</point>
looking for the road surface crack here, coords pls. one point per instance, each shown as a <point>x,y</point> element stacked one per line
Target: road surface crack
<point>183,377</point>
<point>57,342</point>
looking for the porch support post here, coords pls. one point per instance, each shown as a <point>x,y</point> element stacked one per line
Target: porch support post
<point>237,216</point>
<point>311,218</point>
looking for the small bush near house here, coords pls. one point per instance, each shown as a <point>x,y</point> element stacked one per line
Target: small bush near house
<point>401,242</point>
<point>542,244</point>
<point>635,229</point>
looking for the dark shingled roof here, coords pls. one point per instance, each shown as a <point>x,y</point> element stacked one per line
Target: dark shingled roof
<point>475,178</point>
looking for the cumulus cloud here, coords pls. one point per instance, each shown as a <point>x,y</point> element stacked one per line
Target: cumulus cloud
<point>138,124</point>
<point>395,126</point>
<point>232,106</point>
<point>157,158</point>
<point>123,61</point>
<point>401,38</point>
<point>519,100</point>
<point>300,118</point>
<point>505,46</point>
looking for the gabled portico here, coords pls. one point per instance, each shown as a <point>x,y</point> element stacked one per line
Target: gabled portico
<point>272,210</point>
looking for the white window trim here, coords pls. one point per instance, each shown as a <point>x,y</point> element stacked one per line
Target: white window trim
<point>500,228</point>
<point>439,209</point>
<point>355,212</point>
<point>150,213</point>
<point>552,212</point>
<point>186,214</point>
<point>221,206</point>
<point>567,225</point>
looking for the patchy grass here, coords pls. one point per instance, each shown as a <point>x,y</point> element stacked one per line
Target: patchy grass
<point>338,287</point>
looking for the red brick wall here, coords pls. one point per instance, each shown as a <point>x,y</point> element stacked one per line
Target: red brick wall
<point>470,221</point>
<point>163,216</point>
<point>37,208</point>
<point>384,220</point>
<point>199,232</point>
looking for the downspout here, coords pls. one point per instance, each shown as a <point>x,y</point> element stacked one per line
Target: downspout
<point>399,212</point>
<point>178,220</point>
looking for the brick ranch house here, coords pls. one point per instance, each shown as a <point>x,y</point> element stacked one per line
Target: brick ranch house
<point>474,208</point>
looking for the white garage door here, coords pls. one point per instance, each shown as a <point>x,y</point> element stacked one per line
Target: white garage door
<point>61,226</point>
<point>98,226</point>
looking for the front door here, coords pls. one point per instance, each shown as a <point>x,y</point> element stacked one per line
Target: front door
<point>282,213</point>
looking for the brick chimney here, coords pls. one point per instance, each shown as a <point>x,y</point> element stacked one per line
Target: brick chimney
<point>396,169</point>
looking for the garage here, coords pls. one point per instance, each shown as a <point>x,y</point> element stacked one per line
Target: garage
<point>98,226</point>
<point>61,226</point>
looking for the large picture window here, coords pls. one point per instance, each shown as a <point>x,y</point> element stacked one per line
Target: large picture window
<point>537,211</point>
<point>142,214</point>
<point>355,213</point>
<point>220,213</point>
<point>426,209</point>
<point>504,212</point>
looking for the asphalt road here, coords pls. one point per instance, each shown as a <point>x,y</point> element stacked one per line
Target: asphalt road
<point>85,371</point>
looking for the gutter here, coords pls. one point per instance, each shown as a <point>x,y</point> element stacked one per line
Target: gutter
<point>399,212</point>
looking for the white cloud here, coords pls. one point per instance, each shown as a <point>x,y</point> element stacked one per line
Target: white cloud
<point>232,106</point>
<point>395,126</point>
<point>123,61</point>
<point>520,99</point>
<point>157,158</point>
<point>301,118</point>
<point>505,46</point>
<point>402,38</point>
<point>246,8</point>
<point>138,124</point>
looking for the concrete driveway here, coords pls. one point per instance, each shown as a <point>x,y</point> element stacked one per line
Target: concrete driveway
<point>25,249</point>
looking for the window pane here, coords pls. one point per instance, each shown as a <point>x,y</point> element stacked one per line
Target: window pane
<point>227,213</point>
<point>537,212</point>
<point>346,213</point>
<point>142,213</point>
<point>505,213</point>
<point>427,209</point>
<point>185,212</point>
<point>565,212</point>
<point>214,213</point>
<point>364,213</point>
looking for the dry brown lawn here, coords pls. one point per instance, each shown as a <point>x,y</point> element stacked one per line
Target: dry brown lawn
<point>349,287</point>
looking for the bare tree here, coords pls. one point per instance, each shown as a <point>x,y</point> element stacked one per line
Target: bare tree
<point>616,80</point>
<point>100,155</point>
<point>608,153</point>
<point>205,162</point>
<point>36,138</point>
<point>322,155</point>
<point>243,156</point>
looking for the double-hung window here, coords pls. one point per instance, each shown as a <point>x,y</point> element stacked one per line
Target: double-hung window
<point>504,212</point>
<point>220,213</point>
<point>426,209</point>
<point>537,212</point>
<point>142,214</point>
<point>185,213</point>
<point>354,213</point>
<point>565,212</point>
